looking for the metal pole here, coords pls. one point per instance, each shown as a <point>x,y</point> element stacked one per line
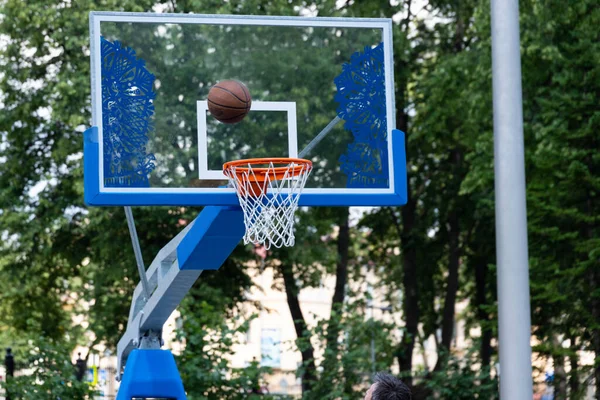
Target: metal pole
<point>138,251</point>
<point>319,137</point>
<point>511,214</point>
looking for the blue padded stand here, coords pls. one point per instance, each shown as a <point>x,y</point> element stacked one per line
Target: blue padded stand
<point>151,374</point>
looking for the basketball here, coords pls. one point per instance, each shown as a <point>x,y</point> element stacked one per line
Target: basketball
<point>229,101</point>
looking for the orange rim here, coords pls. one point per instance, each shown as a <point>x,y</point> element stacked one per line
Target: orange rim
<point>260,173</point>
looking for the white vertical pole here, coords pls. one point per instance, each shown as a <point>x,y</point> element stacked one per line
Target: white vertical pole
<point>511,214</point>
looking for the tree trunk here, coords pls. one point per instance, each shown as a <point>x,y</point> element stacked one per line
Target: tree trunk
<point>410,306</point>
<point>481,272</point>
<point>451,290</point>
<point>560,376</point>
<point>595,283</point>
<point>306,349</point>
<point>422,341</point>
<point>341,276</point>
<point>339,293</point>
<point>411,290</point>
<point>574,373</point>
<point>341,270</point>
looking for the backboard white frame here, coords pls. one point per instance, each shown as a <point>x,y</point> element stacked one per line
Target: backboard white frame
<point>289,107</point>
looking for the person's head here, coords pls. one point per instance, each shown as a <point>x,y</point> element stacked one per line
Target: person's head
<point>388,387</point>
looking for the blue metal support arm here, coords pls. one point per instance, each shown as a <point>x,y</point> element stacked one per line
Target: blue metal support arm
<point>203,245</point>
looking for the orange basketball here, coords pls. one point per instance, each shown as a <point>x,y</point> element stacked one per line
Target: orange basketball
<point>229,101</point>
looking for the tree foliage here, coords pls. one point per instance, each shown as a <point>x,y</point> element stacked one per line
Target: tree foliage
<point>49,373</point>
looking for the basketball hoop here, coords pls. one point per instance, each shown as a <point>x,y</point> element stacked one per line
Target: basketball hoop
<point>268,190</point>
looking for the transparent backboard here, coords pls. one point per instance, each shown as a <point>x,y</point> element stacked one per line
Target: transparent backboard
<point>322,89</point>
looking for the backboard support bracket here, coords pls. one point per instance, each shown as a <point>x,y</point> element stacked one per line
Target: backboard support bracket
<point>95,197</point>
<point>204,244</point>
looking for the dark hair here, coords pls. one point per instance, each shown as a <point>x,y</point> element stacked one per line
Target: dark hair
<point>388,387</point>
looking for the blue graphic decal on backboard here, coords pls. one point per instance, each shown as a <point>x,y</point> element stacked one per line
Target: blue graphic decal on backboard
<point>362,105</point>
<point>127,116</point>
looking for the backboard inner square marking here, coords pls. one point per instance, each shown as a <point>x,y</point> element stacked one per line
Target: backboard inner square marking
<point>202,109</point>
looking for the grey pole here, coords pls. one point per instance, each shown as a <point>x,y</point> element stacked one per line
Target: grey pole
<point>137,251</point>
<point>319,137</point>
<point>511,214</point>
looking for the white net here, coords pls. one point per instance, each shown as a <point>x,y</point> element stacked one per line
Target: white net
<point>269,199</point>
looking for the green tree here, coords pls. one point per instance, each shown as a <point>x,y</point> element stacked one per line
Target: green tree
<point>563,121</point>
<point>209,334</point>
<point>50,373</point>
<point>45,92</point>
<point>56,254</point>
<point>463,379</point>
<point>559,44</point>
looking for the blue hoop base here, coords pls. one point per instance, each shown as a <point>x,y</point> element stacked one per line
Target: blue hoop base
<point>151,374</point>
